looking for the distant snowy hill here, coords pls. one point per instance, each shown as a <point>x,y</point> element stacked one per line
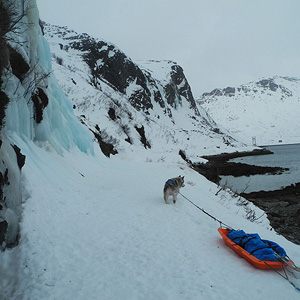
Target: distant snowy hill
<point>267,110</point>
<point>125,103</point>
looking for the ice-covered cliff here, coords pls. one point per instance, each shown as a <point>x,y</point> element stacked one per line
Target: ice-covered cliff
<point>33,107</point>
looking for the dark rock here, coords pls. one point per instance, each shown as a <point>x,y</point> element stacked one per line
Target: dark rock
<point>4,28</point>
<point>226,156</point>
<point>269,84</point>
<point>183,156</point>
<point>106,147</point>
<point>4,54</point>
<point>3,228</point>
<point>182,87</point>
<point>218,165</point>
<point>229,91</point>
<point>215,92</point>
<point>141,131</point>
<point>109,63</point>
<point>40,101</point>
<point>282,208</point>
<point>20,157</point>
<point>112,114</point>
<point>4,100</point>
<point>41,26</point>
<point>18,64</point>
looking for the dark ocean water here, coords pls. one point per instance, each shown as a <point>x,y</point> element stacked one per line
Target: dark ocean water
<point>286,156</point>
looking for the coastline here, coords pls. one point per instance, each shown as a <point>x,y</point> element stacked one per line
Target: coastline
<point>281,206</point>
<point>218,164</point>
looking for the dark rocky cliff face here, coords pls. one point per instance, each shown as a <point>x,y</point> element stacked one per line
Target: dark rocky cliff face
<point>262,86</point>
<point>229,91</point>
<point>182,87</point>
<point>109,64</point>
<point>112,65</point>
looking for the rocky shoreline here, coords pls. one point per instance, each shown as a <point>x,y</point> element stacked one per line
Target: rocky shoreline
<point>281,206</point>
<point>218,165</point>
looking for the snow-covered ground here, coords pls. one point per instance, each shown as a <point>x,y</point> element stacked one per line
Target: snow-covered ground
<point>98,228</point>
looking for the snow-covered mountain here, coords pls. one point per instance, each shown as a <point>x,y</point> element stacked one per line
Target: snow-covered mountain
<point>266,111</point>
<point>123,102</point>
<point>84,226</point>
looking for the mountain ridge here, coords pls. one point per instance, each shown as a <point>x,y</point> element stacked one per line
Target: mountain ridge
<point>266,110</point>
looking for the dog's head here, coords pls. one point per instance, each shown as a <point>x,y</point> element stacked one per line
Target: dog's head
<point>181,180</point>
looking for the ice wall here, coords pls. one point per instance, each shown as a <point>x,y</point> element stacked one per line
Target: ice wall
<point>59,129</point>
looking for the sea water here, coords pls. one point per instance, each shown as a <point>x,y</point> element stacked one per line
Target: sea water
<point>286,156</point>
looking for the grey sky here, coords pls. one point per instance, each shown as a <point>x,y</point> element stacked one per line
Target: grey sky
<point>217,42</point>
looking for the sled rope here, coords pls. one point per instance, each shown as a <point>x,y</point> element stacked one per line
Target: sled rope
<point>208,214</point>
<point>284,268</point>
<point>285,276</point>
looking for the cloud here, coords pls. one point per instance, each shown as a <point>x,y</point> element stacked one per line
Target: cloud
<point>218,43</point>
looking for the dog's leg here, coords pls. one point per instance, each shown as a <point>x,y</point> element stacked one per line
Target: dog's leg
<point>174,198</point>
<point>166,196</point>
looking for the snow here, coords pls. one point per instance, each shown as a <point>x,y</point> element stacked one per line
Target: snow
<point>256,111</point>
<point>98,228</point>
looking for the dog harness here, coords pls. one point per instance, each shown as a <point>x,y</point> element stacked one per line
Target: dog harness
<point>171,182</point>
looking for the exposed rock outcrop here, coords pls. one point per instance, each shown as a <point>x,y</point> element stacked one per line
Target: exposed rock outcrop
<point>282,208</point>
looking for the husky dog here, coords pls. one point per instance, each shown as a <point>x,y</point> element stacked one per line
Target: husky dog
<point>172,187</point>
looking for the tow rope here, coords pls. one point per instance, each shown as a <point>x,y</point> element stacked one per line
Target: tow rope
<point>285,276</point>
<point>208,214</point>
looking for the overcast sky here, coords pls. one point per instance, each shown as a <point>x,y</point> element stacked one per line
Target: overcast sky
<point>218,43</point>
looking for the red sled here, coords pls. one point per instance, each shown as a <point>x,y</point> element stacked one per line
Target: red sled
<point>260,264</point>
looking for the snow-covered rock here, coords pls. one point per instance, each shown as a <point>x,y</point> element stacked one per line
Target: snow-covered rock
<point>115,96</point>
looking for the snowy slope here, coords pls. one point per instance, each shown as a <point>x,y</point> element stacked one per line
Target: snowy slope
<point>94,227</point>
<point>267,110</point>
<point>120,241</point>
